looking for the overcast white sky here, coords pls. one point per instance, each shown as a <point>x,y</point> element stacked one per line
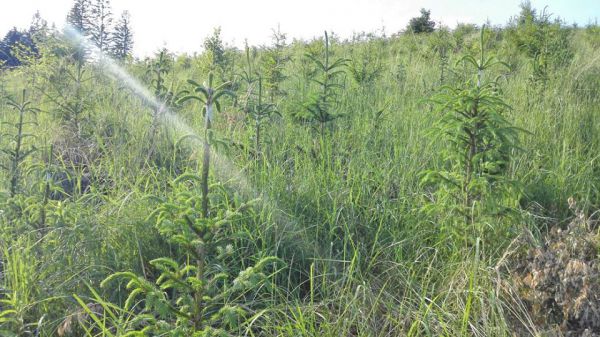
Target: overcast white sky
<point>181,25</point>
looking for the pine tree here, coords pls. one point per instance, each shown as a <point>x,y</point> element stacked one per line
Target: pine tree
<point>122,37</point>
<point>79,16</point>
<point>100,25</point>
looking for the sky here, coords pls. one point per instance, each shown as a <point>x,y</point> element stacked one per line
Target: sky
<point>182,25</point>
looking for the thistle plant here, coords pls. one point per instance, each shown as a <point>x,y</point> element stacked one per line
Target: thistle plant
<point>479,141</point>
<point>208,95</point>
<point>199,296</point>
<point>18,152</point>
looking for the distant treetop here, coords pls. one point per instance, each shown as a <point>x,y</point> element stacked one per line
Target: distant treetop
<point>421,24</point>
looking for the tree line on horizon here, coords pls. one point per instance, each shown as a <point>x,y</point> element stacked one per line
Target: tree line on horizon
<point>92,18</point>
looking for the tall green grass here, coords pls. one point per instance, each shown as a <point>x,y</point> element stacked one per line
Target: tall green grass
<point>362,259</point>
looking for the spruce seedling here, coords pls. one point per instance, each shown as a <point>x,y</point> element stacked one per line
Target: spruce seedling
<point>365,67</point>
<point>260,112</point>
<point>205,298</point>
<point>248,76</point>
<point>65,88</point>
<point>440,45</point>
<point>479,142</point>
<point>167,96</point>
<point>209,96</point>
<point>18,153</point>
<point>274,64</point>
<point>320,109</point>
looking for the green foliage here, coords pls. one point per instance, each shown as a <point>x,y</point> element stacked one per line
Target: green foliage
<point>209,95</point>
<point>249,76</point>
<point>168,99</point>
<point>364,259</point>
<point>255,106</point>
<point>215,48</point>
<point>122,39</point>
<point>261,113</point>
<point>592,32</point>
<point>440,44</point>
<point>539,38</point>
<point>461,32</point>
<point>472,183</point>
<point>17,293</point>
<point>365,66</point>
<point>18,151</point>
<point>158,69</point>
<point>198,297</point>
<point>64,86</point>
<point>321,107</point>
<point>421,24</point>
<point>273,65</point>
<point>17,48</point>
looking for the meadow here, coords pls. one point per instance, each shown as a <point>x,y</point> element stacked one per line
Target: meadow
<point>420,184</point>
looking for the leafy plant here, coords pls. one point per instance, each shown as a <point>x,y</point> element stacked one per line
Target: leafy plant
<point>18,153</point>
<point>209,96</point>
<point>478,144</point>
<point>216,51</point>
<point>440,43</point>
<point>248,77</point>
<point>260,112</point>
<point>538,37</point>
<point>167,97</point>
<point>365,66</point>
<point>274,61</point>
<point>64,87</point>
<point>196,297</point>
<point>321,107</point>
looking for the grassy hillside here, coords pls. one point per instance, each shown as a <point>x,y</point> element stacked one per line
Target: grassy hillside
<point>328,226</point>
